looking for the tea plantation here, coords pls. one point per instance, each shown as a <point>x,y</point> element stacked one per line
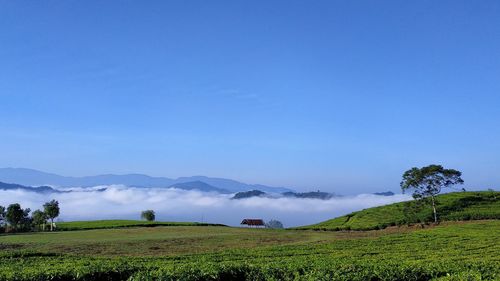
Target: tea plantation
<point>456,206</point>
<point>452,250</point>
<point>104,224</point>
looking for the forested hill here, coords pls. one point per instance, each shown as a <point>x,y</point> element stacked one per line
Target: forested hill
<point>38,189</point>
<point>451,207</point>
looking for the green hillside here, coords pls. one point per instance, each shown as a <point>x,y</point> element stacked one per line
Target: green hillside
<point>451,207</point>
<point>103,224</point>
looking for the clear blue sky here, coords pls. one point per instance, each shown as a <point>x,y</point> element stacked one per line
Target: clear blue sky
<point>333,95</point>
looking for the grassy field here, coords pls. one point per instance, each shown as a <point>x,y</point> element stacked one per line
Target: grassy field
<point>450,251</point>
<point>104,224</point>
<point>157,241</point>
<point>138,250</point>
<point>451,207</point>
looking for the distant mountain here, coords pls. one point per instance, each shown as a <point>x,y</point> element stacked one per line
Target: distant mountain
<point>249,194</point>
<point>312,195</point>
<point>198,185</point>
<point>302,195</point>
<point>232,185</point>
<point>39,189</point>
<point>32,177</point>
<point>386,193</point>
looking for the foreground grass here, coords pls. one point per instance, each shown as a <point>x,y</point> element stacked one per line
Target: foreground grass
<point>105,224</point>
<point>451,251</point>
<point>456,206</point>
<point>157,241</point>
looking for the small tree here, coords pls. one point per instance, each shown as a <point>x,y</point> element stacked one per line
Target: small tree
<point>427,182</point>
<point>274,224</point>
<point>16,216</point>
<point>51,210</point>
<point>148,215</point>
<point>39,219</point>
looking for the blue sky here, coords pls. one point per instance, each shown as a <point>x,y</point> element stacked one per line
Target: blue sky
<point>334,95</point>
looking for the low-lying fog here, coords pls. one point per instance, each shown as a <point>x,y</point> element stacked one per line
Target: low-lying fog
<point>119,202</point>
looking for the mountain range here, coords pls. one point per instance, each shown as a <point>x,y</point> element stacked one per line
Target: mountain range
<point>310,195</point>
<point>30,177</point>
<point>39,189</point>
<point>198,185</point>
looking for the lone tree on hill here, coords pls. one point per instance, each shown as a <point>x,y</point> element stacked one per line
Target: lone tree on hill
<point>51,209</point>
<point>427,182</point>
<point>148,215</point>
<point>39,219</point>
<point>16,216</point>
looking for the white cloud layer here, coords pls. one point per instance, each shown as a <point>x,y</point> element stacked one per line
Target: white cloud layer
<point>119,202</point>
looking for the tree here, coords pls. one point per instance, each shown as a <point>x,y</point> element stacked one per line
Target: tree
<point>274,224</point>
<point>2,214</point>
<point>2,218</point>
<point>148,215</point>
<point>16,216</point>
<point>427,182</point>
<point>51,209</point>
<point>39,218</point>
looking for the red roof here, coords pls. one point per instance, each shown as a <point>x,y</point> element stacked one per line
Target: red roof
<point>253,222</point>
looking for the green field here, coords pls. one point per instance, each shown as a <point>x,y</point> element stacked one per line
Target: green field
<point>103,224</point>
<point>157,241</point>
<point>456,206</point>
<point>465,246</point>
<point>451,251</point>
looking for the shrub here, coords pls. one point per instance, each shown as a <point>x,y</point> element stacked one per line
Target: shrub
<point>148,215</point>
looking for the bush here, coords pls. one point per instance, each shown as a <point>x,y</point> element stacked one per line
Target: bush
<point>148,215</point>
<point>275,224</point>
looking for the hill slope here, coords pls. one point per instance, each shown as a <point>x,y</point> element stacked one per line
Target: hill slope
<point>451,206</point>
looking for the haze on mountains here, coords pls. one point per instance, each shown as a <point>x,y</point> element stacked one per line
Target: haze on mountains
<point>172,204</point>
<point>37,178</point>
<point>195,198</point>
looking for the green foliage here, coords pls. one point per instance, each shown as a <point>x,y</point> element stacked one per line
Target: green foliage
<point>51,210</point>
<point>39,218</point>
<point>148,215</point>
<point>467,251</point>
<point>451,207</point>
<point>427,182</point>
<point>17,217</point>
